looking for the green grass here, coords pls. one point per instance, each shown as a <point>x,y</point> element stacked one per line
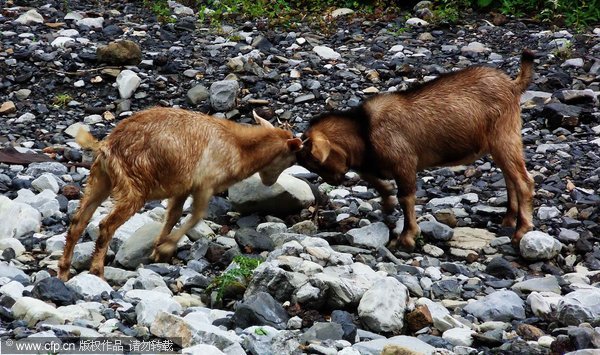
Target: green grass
<point>237,276</point>
<point>62,100</point>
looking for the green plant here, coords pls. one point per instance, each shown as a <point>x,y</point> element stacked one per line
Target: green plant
<point>62,99</point>
<point>237,275</point>
<point>161,10</point>
<point>419,241</point>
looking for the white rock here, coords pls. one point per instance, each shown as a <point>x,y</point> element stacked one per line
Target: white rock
<point>382,307</point>
<point>69,32</point>
<point>202,349</point>
<point>412,344</point>
<point>536,245</point>
<point>199,231</point>
<point>45,202</point>
<point>73,129</point>
<point>573,62</point>
<point>60,42</point>
<point>74,15</point>
<point>151,303</point>
<point>23,218</point>
<point>545,341</point>
<point>46,181</point>
<point>14,289</point>
<point>543,306</point>
<point>442,319</point>
<point>12,243</point>
<point>55,243</point>
<point>397,48</point>
<point>32,311</point>
<point>30,17</point>
<point>92,22</point>
<point>373,236</point>
<point>416,22</point>
<point>458,336</point>
<point>326,53</point>
<point>127,82</point>
<point>341,12</point>
<point>88,285</point>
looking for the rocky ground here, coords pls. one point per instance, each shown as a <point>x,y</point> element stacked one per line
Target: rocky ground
<point>327,284</point>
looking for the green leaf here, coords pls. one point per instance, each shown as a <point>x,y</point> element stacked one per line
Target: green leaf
<point>260,331</point>
<point>484,3</point>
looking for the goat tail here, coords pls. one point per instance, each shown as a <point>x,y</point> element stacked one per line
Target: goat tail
<point>85,139</point>
<point>526,72</point>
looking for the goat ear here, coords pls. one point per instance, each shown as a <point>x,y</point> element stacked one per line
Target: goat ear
<point>295,144</point>
<point>261,121</point>
<point>321,147</point>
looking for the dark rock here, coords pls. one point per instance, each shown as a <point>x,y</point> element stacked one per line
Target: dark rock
<point>250,240</point>
<point>54,290</point>
<point>501,268</point>
<point>260,309</point>
<point>346,320</point>
<point>322,331</point>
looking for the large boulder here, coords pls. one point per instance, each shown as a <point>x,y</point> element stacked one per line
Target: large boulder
<point>498,306</point>
<point>382,307</point>
<point>288,195</point>
<point>136,249</point>
<point>17,218</point>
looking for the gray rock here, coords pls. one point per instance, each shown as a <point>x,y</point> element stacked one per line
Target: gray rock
<point>372,236</point>
<point>473,49</point>
<point>137,248</point>
<point>579,306</point>
<point>568,236</point>
<point>92,22</point>
<point>436,231</point>
<point>536,245</point>
<point>382,307</point>
<point>260,309</point>
<point>321,331</point>
<point>127,82</point>
<point>573,62</point>
<point>287,196</point>
<point>82,255</point>
<point>223,94</point>
<point>88,285</point>
<point>30,17</point>
<point>36,169</point>
<point>46,181</point>
<point>538,284</point>
<point>412,283</point>
<point>304,98</point>
<point>23,218</point>
<point>198,94</point>
<point>545,213</point>
<point>11,272</point>
<point>412,344</point>
<point>498,306</point>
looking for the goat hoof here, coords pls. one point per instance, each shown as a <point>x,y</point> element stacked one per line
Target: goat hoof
<point>63,275</point>
<point>510,222</point>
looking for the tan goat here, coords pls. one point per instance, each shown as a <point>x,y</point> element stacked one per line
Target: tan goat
<point>172,153</point>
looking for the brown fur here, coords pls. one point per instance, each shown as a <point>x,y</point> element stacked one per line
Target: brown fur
<point>172,153</point>
<point>452,120</point>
